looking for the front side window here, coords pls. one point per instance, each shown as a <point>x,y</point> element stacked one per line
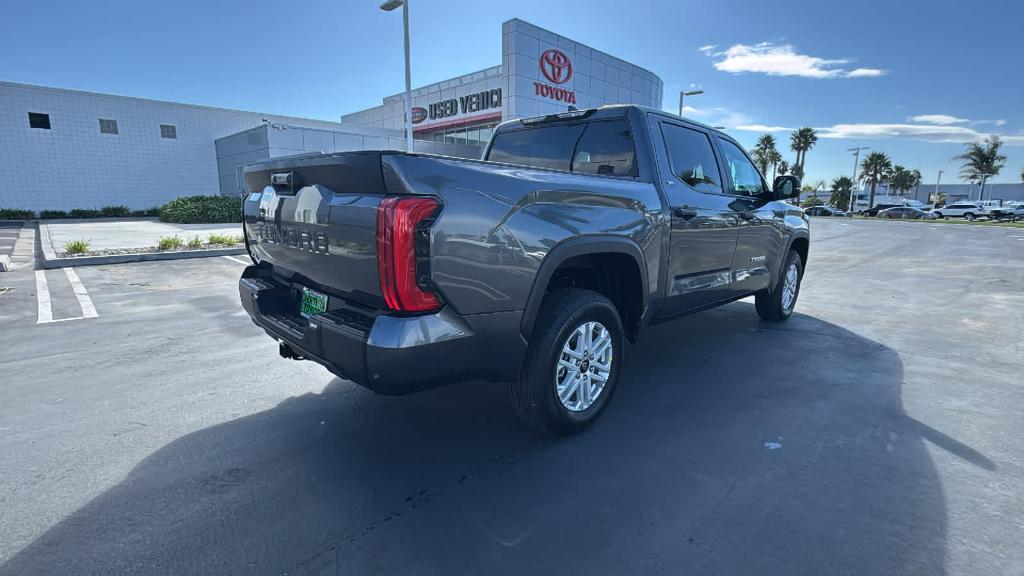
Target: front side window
<point>745,179</point>
<point>691,158</point>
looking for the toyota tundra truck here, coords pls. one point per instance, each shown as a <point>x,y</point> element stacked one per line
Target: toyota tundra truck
<point>536,265</point>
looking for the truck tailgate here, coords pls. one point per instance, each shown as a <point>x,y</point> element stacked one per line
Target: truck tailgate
<point>313,219</point>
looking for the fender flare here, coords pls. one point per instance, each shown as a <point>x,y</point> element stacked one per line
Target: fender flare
<point>570,248</point>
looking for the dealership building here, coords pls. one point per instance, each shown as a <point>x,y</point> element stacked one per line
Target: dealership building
<point>64,149</point>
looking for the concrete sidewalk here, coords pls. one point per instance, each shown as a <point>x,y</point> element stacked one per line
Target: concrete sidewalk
<point>121,234</point>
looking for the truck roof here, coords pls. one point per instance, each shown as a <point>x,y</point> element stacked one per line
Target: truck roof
<point>608,111</point>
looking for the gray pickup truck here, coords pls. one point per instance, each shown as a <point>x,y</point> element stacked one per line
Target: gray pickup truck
<point>535,265</point>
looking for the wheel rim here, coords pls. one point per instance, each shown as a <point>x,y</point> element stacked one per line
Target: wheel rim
<point>584,366</point>
<point>789,286</point>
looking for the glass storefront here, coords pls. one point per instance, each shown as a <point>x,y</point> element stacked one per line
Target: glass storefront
<point>476,135</point>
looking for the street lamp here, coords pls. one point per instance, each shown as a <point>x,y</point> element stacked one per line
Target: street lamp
<point>388,6</point>
<point>690,93</point>
<point>856,159</point>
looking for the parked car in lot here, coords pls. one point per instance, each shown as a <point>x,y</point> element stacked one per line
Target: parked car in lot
<point>824,211</point>
<point>906,213</point>
<point>874,210</point>
<point>967,210</point>
<point>404,271</point>
<point>1011,212</point>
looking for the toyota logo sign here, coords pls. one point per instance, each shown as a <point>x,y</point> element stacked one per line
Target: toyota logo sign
<point>556,66</point>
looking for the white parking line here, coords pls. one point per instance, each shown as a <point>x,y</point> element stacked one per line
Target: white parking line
<point>88,310</point>
<point>240,261</point>
<point>45,313</point>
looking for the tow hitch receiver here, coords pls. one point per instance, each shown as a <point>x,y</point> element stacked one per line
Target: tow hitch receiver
<point>286,351</point>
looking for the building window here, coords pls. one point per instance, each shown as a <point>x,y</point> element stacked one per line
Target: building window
<point>108,126</point>
<point>168,131</point>
<point>38,120</point>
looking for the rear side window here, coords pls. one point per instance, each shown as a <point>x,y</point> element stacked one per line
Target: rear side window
<point>606,148</point>
<point>603,147</point>
<point>691,158</point>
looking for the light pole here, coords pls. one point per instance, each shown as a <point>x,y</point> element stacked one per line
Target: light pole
<point>690,93</point>
<point>856,159</point>
<point>937,180</point>
<point>388,6</point>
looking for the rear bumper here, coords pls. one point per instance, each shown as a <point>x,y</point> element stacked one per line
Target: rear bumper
<point>390,355</point>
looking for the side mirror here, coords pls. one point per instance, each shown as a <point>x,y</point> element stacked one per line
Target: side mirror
<point>787,186</point>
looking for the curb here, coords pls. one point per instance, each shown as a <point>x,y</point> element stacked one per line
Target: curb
<point>51,263</point>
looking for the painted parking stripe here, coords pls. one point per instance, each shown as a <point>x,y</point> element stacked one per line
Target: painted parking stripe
<point>88,310</point>
<point>240,261</point>
<point>45,312</point>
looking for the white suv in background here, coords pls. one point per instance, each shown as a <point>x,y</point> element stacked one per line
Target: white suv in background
<point>967,210</point>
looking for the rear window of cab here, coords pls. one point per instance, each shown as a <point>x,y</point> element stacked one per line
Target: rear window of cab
<point>600,147</point>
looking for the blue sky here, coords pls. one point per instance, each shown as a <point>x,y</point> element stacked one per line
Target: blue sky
<point>913,79</point>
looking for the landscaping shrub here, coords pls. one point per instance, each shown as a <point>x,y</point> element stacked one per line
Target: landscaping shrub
<point>202,210</point>
<point>16,214</point>
<point>76,246</point>
<point>52,214</point>
<point>146,213</point>
<point>114,211</point>
<point>195,243</point>
<point>84,213</point>
<point>169,243</point>
<point>224,239</point>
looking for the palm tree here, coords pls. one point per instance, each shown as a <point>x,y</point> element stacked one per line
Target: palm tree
<point>902,179</point>
<point>876,167</point>
<point>775,159</point>
<point>915,180</point>
<point>783,167</point>
<point>800,142</point>
<point>982,161</point>
<point>765,152</point>
<point>1022,174</point>
<point>842,187</point>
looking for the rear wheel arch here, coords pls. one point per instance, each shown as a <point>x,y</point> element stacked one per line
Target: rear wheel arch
<point>612,266</point>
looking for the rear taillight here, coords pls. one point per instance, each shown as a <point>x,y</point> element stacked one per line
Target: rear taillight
<point>399,222</point>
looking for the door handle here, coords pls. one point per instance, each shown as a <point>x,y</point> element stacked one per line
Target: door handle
<point>746,215</point>
<point>684,213</point>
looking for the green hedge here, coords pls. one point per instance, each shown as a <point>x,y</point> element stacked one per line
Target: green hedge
<point>202,210</point>
<point>16,214</point>
<point>186,210</point>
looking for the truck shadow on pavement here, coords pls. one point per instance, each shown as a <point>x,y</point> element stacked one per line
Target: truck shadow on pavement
<point>732,447</point>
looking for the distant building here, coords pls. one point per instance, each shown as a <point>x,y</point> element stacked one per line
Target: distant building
<point>65,149</point>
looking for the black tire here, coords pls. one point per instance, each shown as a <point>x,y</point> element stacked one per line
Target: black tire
<point>969,216</point>
<point>534,393</point>
<point>769,302</point>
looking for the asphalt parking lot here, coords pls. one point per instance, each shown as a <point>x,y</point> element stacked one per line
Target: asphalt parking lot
<point>879,431</point>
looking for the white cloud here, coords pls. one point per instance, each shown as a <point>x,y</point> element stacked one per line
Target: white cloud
<point>708,48</point>
<point>940,119</point>
<point>865,73</point>
<point>925,132</point>
<point>782,60</point>
<point>999,122</point>
<point>763,128</point>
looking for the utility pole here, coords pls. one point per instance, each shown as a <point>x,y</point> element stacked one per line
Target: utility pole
<point>856,159</point>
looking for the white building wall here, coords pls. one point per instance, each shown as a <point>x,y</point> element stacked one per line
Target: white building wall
<point>73,165</point>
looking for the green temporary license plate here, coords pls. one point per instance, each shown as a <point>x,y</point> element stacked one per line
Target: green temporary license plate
<point>313,302</point>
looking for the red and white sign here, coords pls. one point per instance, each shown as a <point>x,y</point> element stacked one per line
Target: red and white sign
<point>557,68</point>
